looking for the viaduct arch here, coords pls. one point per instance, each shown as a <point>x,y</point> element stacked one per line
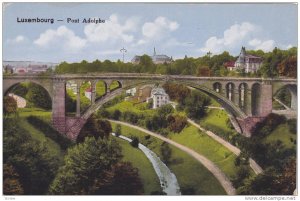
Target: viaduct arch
<point>241,97</point>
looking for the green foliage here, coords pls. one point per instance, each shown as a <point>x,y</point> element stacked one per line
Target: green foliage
<point>33,162</point>
<point>278,62</point>
<point>272,182</point>
<point>9,105</point>
<point>70,101</point>
<point>292,123</point>
<point>11,183</point>
<point>243,172</point>
<point>20,90</point>
<point>165,110</point>
<point>284,96</point>
<point>38,96</point>
<point>166,153</point>
<point>118,130</point>
<point>176,123</point>
<point>95,127</point>
<point>135,142</point>
<point>177,92</point>
<point>266,126</point>
<point>195,105</point>
<point>50,132</point>
<point>85,168</point>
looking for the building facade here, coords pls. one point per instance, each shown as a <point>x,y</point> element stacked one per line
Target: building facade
<point>248,62</point>
<point>156,58</point>
<point>158,97</point>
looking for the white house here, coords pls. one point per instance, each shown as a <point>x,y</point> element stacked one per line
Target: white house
<point>159,97</point>
<point>248,62</point>
<point>131,92</point>
<point>88,93</point>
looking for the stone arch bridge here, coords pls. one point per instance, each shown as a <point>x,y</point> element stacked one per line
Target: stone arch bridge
<point>248,100</point>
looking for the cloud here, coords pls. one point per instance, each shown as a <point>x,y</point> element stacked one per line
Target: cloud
<point>112,30</point>
<point>232,37</point>
<point>265,46</point>
<point>160,27</point>
<point>18,39</point>
<point>63,37</point>
<point>108,52</point>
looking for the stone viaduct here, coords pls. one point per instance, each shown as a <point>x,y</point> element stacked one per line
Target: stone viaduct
<point>247,100</point>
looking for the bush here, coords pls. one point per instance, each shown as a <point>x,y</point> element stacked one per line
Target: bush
<point>118,131</point>
<point>266,126</point>
<point>292,123</point>
<point>135,142</point>
<point>116,114</point>
<point>176,123</point>
<point>166,153</point>
<point>130,117</point>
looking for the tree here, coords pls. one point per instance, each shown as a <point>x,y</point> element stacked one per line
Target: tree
<point>165,110</point>
<point>135,142</point>
<point>116,114</point>
<point>20,90</point>
<point>11,183</point>
<point>123,180</point>
<point>87,168</point>
<point>288,67</point>
<point>166,152</point>
<point>38,96</point>
<point>118,131</point>
<point>95,127</point>
<point>176,123</point>
<point>195,105</point>
<point>288,178</point>
<point>31,160</point>
<point>9,105</point>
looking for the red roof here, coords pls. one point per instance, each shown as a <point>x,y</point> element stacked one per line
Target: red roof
<point>88,90</point>
<point>229,64</point>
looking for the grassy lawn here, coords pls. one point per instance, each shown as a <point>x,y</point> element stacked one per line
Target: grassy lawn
<point>193,138</point>
<point>100,89</point>
<point>132,107</point>
<point>52,146</point>
<point>216,118</point>
<point>114,85</point>
<point>138,159</point>
<point>190,174</point>
<point>283,134</point>
<point>44,114</point>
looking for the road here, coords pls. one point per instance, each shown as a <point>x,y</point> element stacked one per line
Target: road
<point>255,167</point>
<point>220,176</point>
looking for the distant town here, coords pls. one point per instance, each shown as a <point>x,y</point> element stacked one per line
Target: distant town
<point>246,62</point>
<point>21,67</point>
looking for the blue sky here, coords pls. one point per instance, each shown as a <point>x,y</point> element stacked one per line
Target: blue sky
<point>174,29</point>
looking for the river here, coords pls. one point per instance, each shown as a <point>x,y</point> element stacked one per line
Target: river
<point>168,180</point>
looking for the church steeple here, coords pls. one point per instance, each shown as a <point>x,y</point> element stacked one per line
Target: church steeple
<point>154,52</point>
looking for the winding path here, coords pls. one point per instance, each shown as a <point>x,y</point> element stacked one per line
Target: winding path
<point>255,167</point>
<point>220,176</point>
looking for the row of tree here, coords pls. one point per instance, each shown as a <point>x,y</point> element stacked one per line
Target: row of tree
<point>276,63</point>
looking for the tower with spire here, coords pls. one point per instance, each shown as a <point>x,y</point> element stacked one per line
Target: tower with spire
<point>154,52</point>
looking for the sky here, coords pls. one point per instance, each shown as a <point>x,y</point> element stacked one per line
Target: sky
<point>174,29</point>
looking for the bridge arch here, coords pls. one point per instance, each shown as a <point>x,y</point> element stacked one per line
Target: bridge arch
<point>255,99</point>
<point>217,86</point>
<point>230,87</point>
<point>289,90</point>
<point>32,86</point>
<point>114,85</point>
<point>243,96</point>
<point>101,88</point>
<point>45,84</point>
